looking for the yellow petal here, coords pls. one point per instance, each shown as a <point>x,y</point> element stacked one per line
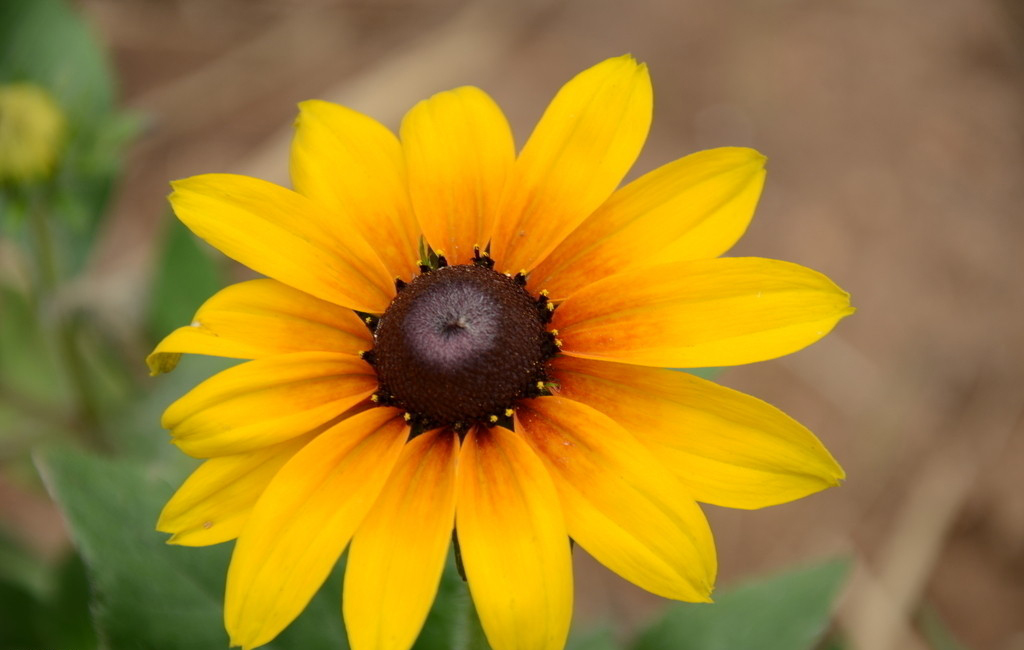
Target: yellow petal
<point>213,504</point>
<point>304,520</point>
<point>620,502</point>
<point>584,144</point>
<point>261,318</point>
<point>284,235</point>
<point>398,553</point>
<point>515,548</point>
<point>267,401</point>
<point>695,207</point>
<point>701,313</point>
<point>458,148</point>
<point>352,165</point>
<point>728,448</point>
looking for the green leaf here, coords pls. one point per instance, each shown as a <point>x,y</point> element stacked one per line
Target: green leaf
<point>147,594</point>
<point>46,42</point>
<point>186,276</point>
<point>450,615</point>
<point>598,639</point>
<point>42,605</point>
<point>63,619</point>
<point>788,612</point>
<point>17,606</point>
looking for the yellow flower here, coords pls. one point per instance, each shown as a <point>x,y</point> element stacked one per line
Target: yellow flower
<point>31,130</point>
<point>520,409</point>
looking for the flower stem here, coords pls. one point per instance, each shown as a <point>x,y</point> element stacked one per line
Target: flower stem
<point>46,263</point>
<point>31,407</point>
<point>86,404</point>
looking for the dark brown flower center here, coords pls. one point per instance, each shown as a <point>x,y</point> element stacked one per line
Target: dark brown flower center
<point>459,345</point>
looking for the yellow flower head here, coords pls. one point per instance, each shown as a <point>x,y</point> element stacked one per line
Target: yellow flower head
<point>456,337</point>
<point>31,132</point>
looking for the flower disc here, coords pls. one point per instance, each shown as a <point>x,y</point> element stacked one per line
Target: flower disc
<point>459,345</point>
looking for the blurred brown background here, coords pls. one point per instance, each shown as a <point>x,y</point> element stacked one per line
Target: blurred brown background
<point>894,136</point>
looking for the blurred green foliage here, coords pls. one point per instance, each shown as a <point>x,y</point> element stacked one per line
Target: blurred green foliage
<point>186,273</point>
<point>46,43</point>
<point>788,611</point>
<point>151,595</point>
<point>43,606</point>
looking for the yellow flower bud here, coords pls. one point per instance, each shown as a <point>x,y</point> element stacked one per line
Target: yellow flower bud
<point>32,130</point>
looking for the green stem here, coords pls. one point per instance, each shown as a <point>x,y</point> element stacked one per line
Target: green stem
<point>46,262</point>
<point>31,407</point>
<point>86,405</point>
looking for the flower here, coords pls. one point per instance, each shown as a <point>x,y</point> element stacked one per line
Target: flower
<point>401,386</point>
<point>31,131</point>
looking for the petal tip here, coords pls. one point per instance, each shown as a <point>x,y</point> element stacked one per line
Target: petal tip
<point>745,158</point>
<point>162,362</point>
<point>173,540</point>
<point>700,592</point>
<point>182,185</point>
<point>843,312</point>
<point>624,64</point>
<point>238,640</point>
<point>625,57</point>
<point>838,475</point>
<point>757,159</point>
<point>830,475</point>
<point>308,105</point>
